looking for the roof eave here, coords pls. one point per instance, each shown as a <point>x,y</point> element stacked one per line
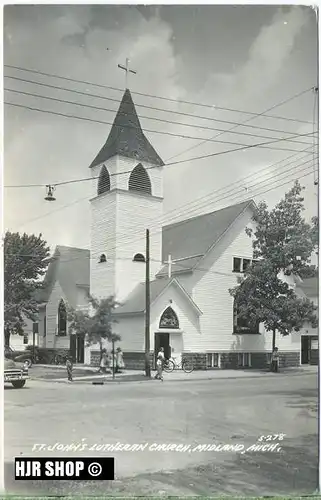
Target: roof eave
<point>98,161</point>
<point>190,299</point>
<point>130,313</point>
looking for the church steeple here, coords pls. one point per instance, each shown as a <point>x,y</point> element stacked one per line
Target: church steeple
<point>126,137</point>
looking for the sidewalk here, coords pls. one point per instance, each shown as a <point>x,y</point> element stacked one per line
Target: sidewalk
<point>63,367</point>
<point>179,375</point>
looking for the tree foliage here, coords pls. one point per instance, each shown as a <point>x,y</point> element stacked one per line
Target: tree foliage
<point>94,326</point>
<point>262,297</point>
<point>279,238</point>
<point>282,234</point>
<point>26,258</point>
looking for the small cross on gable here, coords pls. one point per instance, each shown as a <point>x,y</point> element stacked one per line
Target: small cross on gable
<point>170,263</point>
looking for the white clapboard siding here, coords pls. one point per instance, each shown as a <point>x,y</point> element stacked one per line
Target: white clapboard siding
<point>118,229</point>
<point>135,213</point>
<point>132,333</point>
<point>189,320</point>
<point>211,284</point>
<point>103,236</point>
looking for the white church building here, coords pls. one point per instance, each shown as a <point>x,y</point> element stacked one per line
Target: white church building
<point>193,264</point>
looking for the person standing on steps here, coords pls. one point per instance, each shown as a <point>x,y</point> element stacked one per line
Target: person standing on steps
<point>160,364</point>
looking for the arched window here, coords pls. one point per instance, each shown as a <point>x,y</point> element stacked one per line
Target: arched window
<point>169,319</point>
<point>103,181</point>
<point>139,180</point>
<point>139,257</point>
<point>62,319</point>
<point>102,258</point>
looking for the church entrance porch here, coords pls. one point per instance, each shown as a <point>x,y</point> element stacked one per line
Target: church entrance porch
<point>309,350</point>
<point>172,344</point>
<point>161,340</point>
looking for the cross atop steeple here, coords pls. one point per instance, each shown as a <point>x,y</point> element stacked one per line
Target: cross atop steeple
<point>127,70</point>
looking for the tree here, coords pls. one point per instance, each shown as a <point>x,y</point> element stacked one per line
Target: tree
<point>282,234</point>
<point>96,326</point>
<point>283,242</point>
<point>26,258</point>
<point>262,297</point>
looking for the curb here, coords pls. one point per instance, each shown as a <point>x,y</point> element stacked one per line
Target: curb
<point>89,379</point>
<point>63,367</point>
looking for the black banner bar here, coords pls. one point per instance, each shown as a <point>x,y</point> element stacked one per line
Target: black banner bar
<point>100,469</point>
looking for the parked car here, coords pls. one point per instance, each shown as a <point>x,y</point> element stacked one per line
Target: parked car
<point>23,357</point>
<point>15,374</point>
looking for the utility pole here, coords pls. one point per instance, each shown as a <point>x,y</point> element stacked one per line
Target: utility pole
<point>147,309</point>
<point>113,354</point>
<point>35,330</point>
<point>315,136</point>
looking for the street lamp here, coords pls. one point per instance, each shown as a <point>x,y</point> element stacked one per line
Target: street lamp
<point>50,196</point>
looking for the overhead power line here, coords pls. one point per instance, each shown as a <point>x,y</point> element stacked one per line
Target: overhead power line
<point>73,80</point>
<point>195,203</point>
<point>306,171</point>
<point>180,113</point>
<point>230,197</point>
<point>162,120</point>
<point>161,132</point>
<point>182,209</point>
<point>219,153</point>
<point>263,113</point>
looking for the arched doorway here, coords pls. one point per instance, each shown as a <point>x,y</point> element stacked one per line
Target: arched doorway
<point>168,325</point>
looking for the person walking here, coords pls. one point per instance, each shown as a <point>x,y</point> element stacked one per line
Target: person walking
<point>112,361</point>
<point>69,367</point>
<point>120,365</point>
<point>159,364</point>
<point>275,360</point>
<point>103,361</point>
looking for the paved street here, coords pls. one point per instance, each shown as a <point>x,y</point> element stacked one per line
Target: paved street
<point>197,412</point>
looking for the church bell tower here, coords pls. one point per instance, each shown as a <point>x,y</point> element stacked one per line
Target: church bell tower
<point>127,199</point>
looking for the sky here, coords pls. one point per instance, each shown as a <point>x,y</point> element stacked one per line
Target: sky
<point>239,58</point>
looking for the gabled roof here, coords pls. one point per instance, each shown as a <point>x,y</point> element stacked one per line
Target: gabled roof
<point>135,302</point>
<point>71,267</point>
<point>191,239</point>
<point>126,137</point>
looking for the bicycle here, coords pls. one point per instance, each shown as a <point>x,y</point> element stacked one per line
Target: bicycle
<point>185,364</point>
<point>58,359</point>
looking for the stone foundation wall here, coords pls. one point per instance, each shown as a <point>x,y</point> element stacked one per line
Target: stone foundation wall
<point>259,360</point>
<point>132,360</point>
<point>314,357</point>
<point>94,358</point>
<point>228,360</point>
<point>198,359</point>
<point>136,360</point>
<point>288,359</point>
